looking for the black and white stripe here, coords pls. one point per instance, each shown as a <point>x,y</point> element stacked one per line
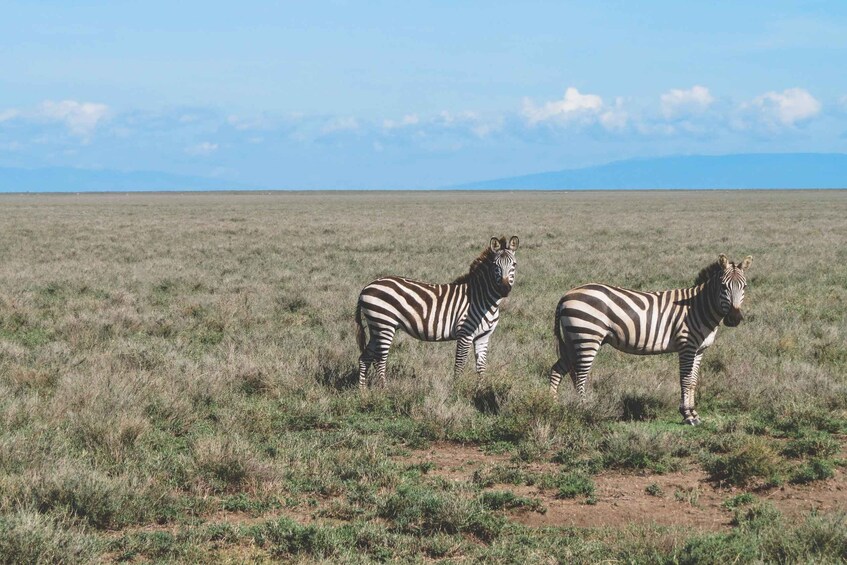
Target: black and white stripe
<point>466,310</point>
<point>683,321</point>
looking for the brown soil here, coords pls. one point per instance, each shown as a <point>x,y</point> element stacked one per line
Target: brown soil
<point>687,499</point>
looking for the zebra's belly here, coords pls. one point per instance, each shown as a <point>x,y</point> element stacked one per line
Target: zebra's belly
<point>424,332</point>
<point>449,336</point>
<point>640,349</point>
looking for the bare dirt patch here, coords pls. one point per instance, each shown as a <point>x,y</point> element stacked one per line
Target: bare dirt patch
<point>684,499</point>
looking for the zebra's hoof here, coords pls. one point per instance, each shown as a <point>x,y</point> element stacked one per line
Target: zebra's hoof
<point>692,421</point>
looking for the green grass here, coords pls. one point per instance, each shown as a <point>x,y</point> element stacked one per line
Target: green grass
<point>168,359</point>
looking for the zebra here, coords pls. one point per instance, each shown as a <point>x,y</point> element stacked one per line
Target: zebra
<point>466,310</point>
<point>683,321</point>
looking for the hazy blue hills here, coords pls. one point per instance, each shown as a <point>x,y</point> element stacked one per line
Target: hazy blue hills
<point>67,179</point>
<point>769,170</point>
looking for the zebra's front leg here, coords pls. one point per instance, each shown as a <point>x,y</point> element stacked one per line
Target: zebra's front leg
<point>689,370</point>
<point>463,347</point>
<point>481,351</point>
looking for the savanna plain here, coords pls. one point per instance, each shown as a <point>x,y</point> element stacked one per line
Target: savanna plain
<point>177,383</point>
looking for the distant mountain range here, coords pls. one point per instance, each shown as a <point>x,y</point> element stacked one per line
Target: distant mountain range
<point>767,170</point>
<point>67,179</point>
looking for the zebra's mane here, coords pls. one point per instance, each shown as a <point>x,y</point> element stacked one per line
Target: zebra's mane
<point>478,262</point>
<point>708,272</point>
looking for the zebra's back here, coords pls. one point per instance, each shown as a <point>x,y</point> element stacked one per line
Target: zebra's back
<point>430,312</point>
<point>632,321</point>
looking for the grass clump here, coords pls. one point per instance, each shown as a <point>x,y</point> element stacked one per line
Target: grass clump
<point>285,538</point>
<point>738,500</point>
<point>814,469</point>
<point>27,536</point>
<point>503,474</point>
<point>817,444</point>
<point>423,511</point>
<point>573,484</point>
<point>756,517</point>
<point>654,489</point>
<point>642,448</point>
<point>640,407</point>
<point>753,460</point>
<point>91,498</point>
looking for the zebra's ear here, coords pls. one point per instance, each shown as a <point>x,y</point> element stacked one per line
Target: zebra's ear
<point>745,264</point>
<point>513,243</point>
<point>494,244</point>
<point>723,261</point>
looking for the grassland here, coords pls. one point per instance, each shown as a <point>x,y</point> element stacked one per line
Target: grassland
<point>176,383</point>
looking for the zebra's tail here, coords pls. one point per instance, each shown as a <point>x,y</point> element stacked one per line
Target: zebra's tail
<point>360,329</point>
<point>558,330</point>
<point>564,348</point>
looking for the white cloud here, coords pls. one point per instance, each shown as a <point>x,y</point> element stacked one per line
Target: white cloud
<point>787,107</point>
<point>249,123</point>
<point>341,124</point>
<point>9,115</point>
<point>407,120</point>
<point>470,121</point>
<point>81,118</point>
<point>678,102</point>
<point>573,107</point>
<point>577,108</point>
<point>615,117</point>
<point>202,149</point>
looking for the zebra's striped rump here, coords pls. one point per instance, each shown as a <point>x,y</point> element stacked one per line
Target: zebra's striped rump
<point>466,310</point>
<point>683,321</point>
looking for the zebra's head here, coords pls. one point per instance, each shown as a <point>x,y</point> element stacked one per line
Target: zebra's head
<point>732,284</point>
<point>502,262</point>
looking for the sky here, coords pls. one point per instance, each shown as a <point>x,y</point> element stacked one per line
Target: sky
<point>413,94</point>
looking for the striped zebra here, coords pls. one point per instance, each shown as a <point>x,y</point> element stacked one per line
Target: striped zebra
<point>682,321</point>
<point>466,310</point>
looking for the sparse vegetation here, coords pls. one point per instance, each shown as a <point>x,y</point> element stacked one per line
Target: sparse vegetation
<point>177,380</point>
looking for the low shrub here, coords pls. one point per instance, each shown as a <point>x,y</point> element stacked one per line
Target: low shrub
<point>571,485</point>
<point>752,460</point>
<point>421,511</point>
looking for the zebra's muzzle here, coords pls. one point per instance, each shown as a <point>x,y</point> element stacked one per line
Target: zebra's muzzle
<point>733,318</point>
<point>505,287</point>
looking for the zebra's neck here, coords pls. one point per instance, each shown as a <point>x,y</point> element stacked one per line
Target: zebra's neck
<point>706,301</point>
<point>484,290</point>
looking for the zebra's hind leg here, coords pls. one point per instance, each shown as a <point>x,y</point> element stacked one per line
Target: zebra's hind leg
<point>385,337</point>
<point>559,369</point>
<point>585,351</point>
<point>365,360</point>
<point>375,352</point>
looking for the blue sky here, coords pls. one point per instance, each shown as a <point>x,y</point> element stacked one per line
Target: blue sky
<point>413,94</point>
